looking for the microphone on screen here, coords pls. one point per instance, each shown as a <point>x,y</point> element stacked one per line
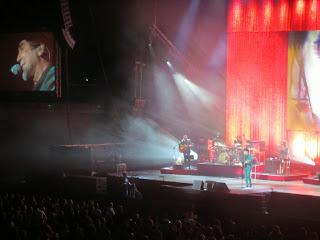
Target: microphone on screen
<point>16,69</point>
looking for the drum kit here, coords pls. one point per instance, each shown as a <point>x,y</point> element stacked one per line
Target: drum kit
<point>226,155</point>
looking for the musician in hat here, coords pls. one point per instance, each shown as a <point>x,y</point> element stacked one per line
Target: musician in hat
<point>185,147</point>
<point>247,164</point>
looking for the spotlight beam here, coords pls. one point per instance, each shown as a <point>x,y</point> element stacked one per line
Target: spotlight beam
<point>173,51</point>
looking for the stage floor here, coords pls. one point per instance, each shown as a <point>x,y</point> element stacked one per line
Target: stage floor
<point>209,169</point>
<point>236,185</point>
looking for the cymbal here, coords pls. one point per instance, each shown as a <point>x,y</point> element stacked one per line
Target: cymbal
<point>219,144</point>
<point>254,141</point>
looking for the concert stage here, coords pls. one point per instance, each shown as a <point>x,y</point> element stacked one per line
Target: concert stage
<point>235,171</point>
<point>294,199</point>
<point>278,177</point>
<point>278,198</point>
<point>236,185</point>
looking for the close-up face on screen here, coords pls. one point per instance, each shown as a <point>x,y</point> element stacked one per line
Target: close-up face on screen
<point>303,80</point>
<point>303,94</point>
<point>30,62</point>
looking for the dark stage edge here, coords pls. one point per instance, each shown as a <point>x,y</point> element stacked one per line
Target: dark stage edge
<point>236,185</point>
<point>294,199</point>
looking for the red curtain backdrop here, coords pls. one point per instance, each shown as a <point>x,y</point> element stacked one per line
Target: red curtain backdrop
<point>257,57</point>
<point>257,86</point>
<point>273,15</point>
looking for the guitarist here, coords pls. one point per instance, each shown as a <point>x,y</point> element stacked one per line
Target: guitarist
<point>247,163</point>
<point>185,147</point>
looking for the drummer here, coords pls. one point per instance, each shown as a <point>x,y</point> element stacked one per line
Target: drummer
<point>237,150</point>
<point>241,143</point>
<point>238,141</point>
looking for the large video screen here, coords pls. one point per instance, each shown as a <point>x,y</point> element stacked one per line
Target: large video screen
<point>28,62</point>
<point>304,81</point>
<point>304,95</point>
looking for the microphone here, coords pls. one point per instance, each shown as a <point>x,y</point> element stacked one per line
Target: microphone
<point>15,69</point>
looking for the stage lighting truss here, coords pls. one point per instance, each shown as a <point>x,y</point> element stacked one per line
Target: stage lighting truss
<point>173,51</point>
<point>67,19</point>
<point>139,100</point>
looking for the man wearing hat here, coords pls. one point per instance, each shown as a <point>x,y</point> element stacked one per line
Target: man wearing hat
<point>247,163</point>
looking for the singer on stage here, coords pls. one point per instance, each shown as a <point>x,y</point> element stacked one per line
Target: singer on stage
<point>247,164</point>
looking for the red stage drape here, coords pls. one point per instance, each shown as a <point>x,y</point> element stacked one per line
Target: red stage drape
<point>257,54</point>
<point>273,15</point>
<point>257,86</point>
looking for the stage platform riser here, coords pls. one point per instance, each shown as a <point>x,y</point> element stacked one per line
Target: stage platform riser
<point>312,181</point>
<point>210,169</point>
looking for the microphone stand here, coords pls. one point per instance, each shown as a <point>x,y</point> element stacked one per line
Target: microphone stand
<point>174,152</point>
<point>176,145</point>
<point>242,174</point>
<point>242,169</point>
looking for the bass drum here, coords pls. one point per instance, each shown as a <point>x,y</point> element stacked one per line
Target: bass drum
<point>223,158</point>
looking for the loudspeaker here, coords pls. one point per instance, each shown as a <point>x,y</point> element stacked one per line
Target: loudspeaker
<point>220,187</point>
<point>213,186</point>
<point>272,165</point>
<point>209,185</point>
<point>198,185</point>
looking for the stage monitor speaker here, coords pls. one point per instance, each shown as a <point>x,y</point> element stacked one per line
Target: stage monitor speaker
<point>221,187</point>
<point>272,165</point>
<point>198,185</point>
<point>209,185</point>
<point>213,186</point>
